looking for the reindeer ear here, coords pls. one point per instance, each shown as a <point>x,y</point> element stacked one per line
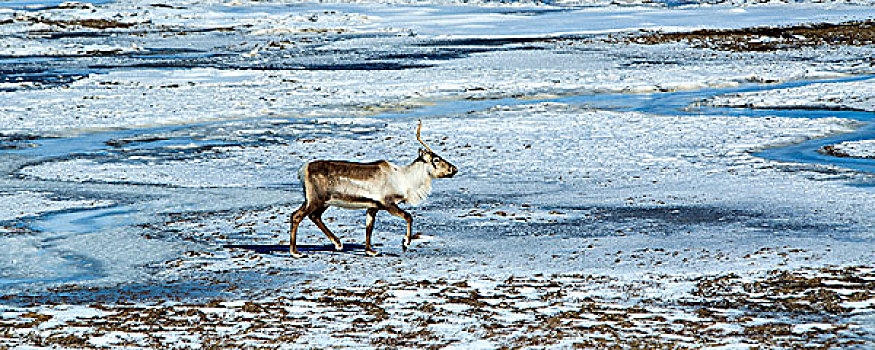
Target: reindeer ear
<point>425,155</point>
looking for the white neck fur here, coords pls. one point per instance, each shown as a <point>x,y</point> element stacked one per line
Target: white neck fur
<point>414,181</point>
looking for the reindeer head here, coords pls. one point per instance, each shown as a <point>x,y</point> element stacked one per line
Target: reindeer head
<point>439,168</point>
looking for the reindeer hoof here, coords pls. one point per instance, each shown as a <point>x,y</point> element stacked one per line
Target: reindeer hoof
<point>371,252</point>
<point>338,246</point>
<point>405,244</point>
<point>296,254</point>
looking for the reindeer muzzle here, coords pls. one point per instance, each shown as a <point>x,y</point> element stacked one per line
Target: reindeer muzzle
<point>453,172</point>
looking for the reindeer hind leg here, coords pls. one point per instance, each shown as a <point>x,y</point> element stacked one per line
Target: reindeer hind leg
<point>316,217</point>
<point>312,203</point>
<point>297,217</point>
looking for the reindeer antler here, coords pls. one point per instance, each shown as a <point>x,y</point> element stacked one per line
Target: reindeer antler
<point>418,128</point>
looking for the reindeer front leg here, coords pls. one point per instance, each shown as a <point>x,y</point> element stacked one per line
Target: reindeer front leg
<point>395,210</point>
<point>369,228</point>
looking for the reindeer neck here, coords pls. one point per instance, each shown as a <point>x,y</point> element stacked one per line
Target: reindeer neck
<point>415,181</point>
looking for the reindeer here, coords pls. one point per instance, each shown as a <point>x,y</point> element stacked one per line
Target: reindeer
<point>373,186</point>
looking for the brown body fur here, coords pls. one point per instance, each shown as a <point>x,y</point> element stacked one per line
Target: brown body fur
<point>325,180</point>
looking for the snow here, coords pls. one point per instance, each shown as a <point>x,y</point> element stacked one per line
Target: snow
<point>173,97</point>
<point>140,98</point>
<point>860,305</point>
<point>863,149</point>
<point>686,147</point>
<point>590,203</point>
<point>809,327</point>
<point>475,22</point>
<point>854,95</point>
<point>30,203</point>
<point>65,313</point>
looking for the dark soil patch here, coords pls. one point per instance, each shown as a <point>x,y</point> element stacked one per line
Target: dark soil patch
<point>763,39</point>
<point>832,151</point>
<point>824,292</point>
<point>97,23</point>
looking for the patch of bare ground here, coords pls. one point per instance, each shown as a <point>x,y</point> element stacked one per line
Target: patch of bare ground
<point>805,305</point>
<point>783,309</point>
<point>834,151</point>
<point>853,33</point>
<point>823,292</point>
<point>13,229</point>
<point>93,23</point>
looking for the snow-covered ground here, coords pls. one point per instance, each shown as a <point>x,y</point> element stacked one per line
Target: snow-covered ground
<point>269,60</point>
<point>850,95</point>
<point>145,97</point>
<point>27,204</point>
<point>864,149</point>
<point>591,208</point>
<point>562,219</point>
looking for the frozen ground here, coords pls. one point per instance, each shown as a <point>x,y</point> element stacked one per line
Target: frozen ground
<point>853,95</point>
<point>163,65</point>
<point>852,149</point>
<point>556,311</point>
<point>618,242</point>
<point>603,199</point>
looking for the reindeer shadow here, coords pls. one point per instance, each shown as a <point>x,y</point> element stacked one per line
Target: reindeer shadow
<point>349,248</point>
